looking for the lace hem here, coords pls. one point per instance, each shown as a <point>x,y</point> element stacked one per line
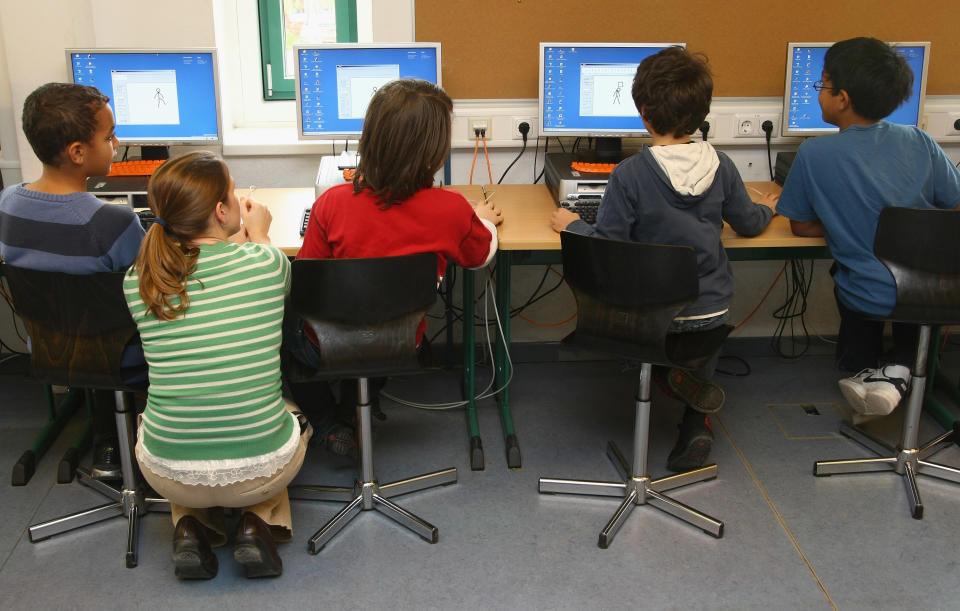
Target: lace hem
<point>220,472</point>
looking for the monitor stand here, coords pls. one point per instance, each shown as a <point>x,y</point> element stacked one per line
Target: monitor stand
<point>606,150</point>
<point>154,152</point>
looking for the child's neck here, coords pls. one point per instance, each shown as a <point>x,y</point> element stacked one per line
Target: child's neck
<point>59,181</point>
<point>848,117</point>
<point>665,139</point>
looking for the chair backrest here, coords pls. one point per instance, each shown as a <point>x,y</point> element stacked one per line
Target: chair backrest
<point>921,248</point>
<point>78,325</point>
<point>628,293</point>
<point>365,312</point>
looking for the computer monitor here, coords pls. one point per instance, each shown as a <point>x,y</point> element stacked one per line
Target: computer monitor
<point>801,110</point>
<point>585,90</point>
<point>159,97</point>
<point>336,81</point>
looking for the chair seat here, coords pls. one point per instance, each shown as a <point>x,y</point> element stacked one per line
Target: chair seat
<point>684,350</point>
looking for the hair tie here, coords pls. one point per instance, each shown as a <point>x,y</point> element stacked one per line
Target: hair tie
<point>161,222</point>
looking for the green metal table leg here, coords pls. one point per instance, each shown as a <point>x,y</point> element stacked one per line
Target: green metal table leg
<point>469,369</point>
<point>71,458</point>
<point>502,365</point>
<point>937,380</point>
<point>58,417</point>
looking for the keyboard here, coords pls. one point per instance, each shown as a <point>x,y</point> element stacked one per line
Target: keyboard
<point>586,208</point>
<point>304,221</point>
<point>136,167</point>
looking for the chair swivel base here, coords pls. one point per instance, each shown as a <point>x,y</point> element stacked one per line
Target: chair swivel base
<point>639,490</point>
<point>127,501</point>
<point>365,496</point>
<point>905,462</point>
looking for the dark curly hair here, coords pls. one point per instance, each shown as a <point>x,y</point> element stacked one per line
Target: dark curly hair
<point>672,90</point>
<point>57,114</point>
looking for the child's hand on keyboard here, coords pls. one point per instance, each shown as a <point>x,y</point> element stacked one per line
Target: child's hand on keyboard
<point>561,218</point>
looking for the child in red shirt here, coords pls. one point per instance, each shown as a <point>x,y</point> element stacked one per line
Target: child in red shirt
<point>391,209</point>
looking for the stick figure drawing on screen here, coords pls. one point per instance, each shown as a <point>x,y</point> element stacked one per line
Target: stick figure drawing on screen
<point>616,92</point>
<point>158,96</point>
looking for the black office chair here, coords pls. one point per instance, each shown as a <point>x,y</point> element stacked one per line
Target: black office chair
<point>627,295</point>
<point>365,313</point>
<point>79,326</point>
<point>921,249</point>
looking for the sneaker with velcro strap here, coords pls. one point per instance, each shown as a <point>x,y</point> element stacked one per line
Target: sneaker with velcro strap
<point>876,392</point>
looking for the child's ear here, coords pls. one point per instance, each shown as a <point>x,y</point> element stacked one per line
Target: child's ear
<point>844,99</point>
<point>75,153</point>
<point>220,212</point>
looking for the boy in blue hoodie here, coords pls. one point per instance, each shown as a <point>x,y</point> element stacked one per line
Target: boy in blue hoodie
<point>679,191</point>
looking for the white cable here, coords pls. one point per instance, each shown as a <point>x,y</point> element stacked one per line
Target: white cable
<point>485,393</point>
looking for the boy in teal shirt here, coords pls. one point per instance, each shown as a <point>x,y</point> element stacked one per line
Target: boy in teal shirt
<point>837,187</point>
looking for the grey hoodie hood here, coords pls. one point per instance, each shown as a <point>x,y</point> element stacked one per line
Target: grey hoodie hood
<point>690,167</point>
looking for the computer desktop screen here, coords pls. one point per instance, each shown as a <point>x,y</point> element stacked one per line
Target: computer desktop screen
<point>159,97</point>
<point>336,81</point>
<point>585,88</point>
<point>801,109</point>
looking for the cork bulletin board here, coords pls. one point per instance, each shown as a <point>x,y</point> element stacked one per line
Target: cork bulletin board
<point>490,47</point>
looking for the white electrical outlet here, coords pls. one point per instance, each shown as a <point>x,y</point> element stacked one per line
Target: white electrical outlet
<point>530,121</point>
<point>745,126</point>
<point>953,123</point>
<point>751,125</point>
<point>475,123</point>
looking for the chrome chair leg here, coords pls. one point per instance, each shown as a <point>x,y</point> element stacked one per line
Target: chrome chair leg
<point>367,494</point>
<point>636,487</point>
<point>908,459</point>
<point>128,500</point>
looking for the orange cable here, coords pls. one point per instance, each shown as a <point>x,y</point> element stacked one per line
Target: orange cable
<point>483,136</point>
<point>946,335</point>
<point>767,294</point>
<point>547,324</point>
<point>476,147</point>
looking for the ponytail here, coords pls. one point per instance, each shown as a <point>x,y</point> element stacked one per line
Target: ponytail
<point>162,269</point>
<point>183,192</point>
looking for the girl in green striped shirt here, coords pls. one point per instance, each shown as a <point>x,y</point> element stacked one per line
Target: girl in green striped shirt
<point>207,293</point>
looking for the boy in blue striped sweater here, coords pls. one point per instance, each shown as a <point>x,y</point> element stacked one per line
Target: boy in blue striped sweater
<point>53,224</point>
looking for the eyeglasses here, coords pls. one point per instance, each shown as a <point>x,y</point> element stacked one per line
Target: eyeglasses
<point>819,85</point>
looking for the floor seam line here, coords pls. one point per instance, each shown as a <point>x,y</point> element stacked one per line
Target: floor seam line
<point>776,512</point>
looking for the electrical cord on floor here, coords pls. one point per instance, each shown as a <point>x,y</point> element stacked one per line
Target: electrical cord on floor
<point>792,312</point>
<point>736,374</point>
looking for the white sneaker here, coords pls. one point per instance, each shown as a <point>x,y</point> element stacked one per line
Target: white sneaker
<point>876,392</point>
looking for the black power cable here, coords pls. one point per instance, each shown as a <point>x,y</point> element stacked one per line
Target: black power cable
<point>524,129</point>
<point>767,127</point>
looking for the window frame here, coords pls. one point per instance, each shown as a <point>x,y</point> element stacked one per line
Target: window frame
<point>275,85</point>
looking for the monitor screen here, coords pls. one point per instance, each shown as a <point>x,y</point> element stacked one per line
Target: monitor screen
<point>158,97</point>
<point>336,81</point>
<point>801,109</point>
<point>585,88</point>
